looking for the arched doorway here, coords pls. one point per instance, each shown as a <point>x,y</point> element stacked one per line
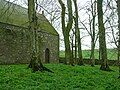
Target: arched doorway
<point>47,55</point>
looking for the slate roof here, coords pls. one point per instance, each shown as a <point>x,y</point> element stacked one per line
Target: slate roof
<point>17,15</point>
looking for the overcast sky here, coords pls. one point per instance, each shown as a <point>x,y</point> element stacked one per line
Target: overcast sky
<point>86,40</point>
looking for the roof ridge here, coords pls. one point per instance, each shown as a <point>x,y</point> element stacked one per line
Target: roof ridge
<point>19,17</point>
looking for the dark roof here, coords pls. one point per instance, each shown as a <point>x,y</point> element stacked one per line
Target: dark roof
<point>17,15</point>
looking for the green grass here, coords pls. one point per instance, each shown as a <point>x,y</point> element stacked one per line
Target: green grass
<point>112,54</point>
<point>65,77</point>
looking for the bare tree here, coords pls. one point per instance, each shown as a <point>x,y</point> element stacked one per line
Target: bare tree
<point>93,41</point>
<point>66,29</point>
<point>118,8</point>
<point>77,35</point>
<point>90,26</point>
<point>35,62</point>
<point>102,40</point>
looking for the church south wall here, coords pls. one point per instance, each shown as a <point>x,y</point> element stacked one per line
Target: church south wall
<point>52,43</point>
<point>15,45</point>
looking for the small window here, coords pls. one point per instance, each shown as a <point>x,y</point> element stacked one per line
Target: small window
<point>47,55</point>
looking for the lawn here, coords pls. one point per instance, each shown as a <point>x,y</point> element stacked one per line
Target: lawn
<point>65,77</point>
<point>112,54</point>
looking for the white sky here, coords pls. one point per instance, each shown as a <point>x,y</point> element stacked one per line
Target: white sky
<point>86,40</point>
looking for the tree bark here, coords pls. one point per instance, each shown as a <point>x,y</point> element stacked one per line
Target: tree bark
<point>66,29</point>
<point>102,41</point>
<point>118,8</point>
<point>35,62</point>
<point>93,6</point>
<point>80,60</point>
<point>72,46</point>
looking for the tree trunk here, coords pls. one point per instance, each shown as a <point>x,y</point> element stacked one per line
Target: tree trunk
<point>102,41</point>
<point>75,46</point>
<point>66,30</point>
<point>63,23</point>
<point>118,8</point>
<point>92,57</point>
<point>35,62</point>
<point>68,53</point>
<point>80,60</point>
<point>93,34</point>
<point>72,45</point>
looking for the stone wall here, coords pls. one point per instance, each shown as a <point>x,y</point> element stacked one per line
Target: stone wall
<point>50,42</point>
<point>15,45</point>
<point>97,61</point>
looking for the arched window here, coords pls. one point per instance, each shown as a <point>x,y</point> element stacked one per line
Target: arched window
<point>47,55</point>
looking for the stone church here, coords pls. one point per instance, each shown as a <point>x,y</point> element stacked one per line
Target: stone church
<point>15,40</point>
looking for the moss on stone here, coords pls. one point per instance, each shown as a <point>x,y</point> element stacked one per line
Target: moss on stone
<point>14,14</point>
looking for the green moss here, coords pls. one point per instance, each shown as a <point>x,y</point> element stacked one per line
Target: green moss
<point>17,15</point>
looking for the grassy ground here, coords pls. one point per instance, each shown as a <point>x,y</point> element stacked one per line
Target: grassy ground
<point>18,77</point>
<point>112,54</point>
